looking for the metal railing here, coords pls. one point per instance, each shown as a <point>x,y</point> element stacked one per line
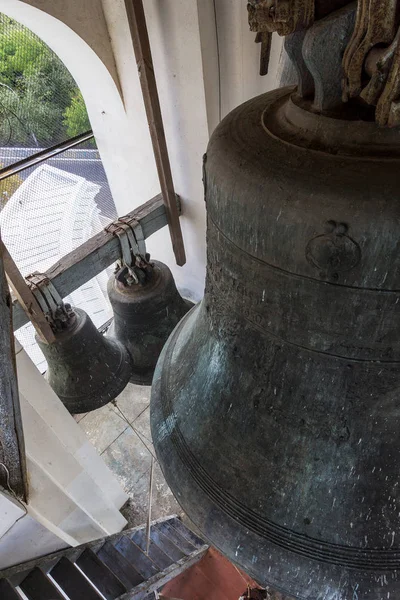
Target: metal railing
<point>43,155</point>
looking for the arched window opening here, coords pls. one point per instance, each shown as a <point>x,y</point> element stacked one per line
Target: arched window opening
<point>40,103</point>
<point>54,193</point>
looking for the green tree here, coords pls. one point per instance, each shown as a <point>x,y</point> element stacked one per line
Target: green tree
<point>76,118</point>
<point>8,187</point>
<point>21,54</point>
<point>40,103</point>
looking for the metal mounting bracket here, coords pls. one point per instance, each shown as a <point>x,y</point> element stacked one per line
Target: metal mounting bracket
<point>56,312</point>
<point>134,264</point>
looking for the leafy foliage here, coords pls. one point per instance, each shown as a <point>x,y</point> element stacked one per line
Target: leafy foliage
<point>40,104</point>
<point>75,116</point>
<point>8,187</point>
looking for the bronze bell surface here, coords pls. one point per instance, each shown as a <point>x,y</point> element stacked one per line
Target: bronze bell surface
<point>275,402</point>
<point>145,313</point>
<point>85,369</point>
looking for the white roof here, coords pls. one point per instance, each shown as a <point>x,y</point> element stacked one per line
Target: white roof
<point>51,213</point>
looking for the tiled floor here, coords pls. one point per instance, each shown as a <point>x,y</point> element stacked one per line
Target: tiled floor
<point>121,434</point>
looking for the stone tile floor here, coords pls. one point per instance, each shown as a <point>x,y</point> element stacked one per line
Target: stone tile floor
<point>120,432</point>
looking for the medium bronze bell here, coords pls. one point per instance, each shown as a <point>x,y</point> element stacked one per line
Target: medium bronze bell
<point>275,402</point>
<point>145,313</point>
<point>85,369</point>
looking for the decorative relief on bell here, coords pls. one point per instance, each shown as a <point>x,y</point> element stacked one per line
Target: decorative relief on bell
<point>334,251</point>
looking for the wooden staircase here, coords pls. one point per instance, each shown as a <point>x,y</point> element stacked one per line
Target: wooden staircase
<point>114,568</point>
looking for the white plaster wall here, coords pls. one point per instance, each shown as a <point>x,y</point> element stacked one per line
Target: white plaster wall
<point>22,536</point>
<point>231,57</point>
<point>61,427</point>
<point>175,39</point>
<point>78,15</point>
<point>73,496</point>
<point>206,63</point>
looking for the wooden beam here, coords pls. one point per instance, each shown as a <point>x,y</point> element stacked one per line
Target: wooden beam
<point>141,45</point>
<point>12,449</point>
<point>98,253</point>
<point>26,298</point>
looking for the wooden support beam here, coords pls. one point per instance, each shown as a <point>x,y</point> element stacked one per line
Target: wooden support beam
<point>26,298</point>
<point>12,450</point>
<point>98,253</point>
<point>141,45</point>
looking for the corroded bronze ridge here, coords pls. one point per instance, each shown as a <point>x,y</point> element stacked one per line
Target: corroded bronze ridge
<point>291,120</point>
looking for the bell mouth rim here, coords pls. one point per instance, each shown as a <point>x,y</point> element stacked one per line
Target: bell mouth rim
<point>314,549</point>
<point>290,122</point>
<point>144,378</point>
<point>166,430</point>
<point>123,371</point>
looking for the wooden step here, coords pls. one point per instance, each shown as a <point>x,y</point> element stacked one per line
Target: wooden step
<point>158,581</point>
<point>118,564</point>
<point>138,559</point>
<point>112,568</point>
<point>159,557</point>
<point>37,586</point>
<point>194,539</point>
<point>8,591</point>
<point>178,539</point>
<point>166,544</point>
<point>73,582</point>
<point>101,576</point>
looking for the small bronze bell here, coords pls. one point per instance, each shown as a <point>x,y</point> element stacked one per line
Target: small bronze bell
<point>145,313</point>
<point>85,369</point>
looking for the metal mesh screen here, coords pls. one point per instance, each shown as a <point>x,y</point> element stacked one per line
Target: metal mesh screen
<point>53,207</point>
<point>40,103</point>
<point>82,161</point>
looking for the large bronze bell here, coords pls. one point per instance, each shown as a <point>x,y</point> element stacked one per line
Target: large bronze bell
<point>145,313</point>
<point>85,369</point>
<point>276,402</point>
